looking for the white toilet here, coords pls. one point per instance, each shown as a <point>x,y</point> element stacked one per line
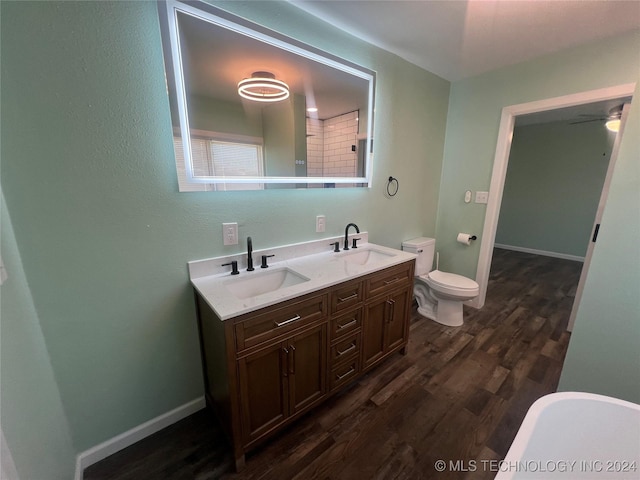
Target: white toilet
<point>439,294</point>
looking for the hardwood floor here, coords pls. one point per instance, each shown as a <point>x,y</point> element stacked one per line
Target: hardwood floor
<point>459,395</point>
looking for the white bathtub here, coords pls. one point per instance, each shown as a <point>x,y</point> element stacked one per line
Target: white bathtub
<point>572,435</point>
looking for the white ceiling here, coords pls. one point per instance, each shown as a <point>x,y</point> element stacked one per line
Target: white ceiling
<point>592,112</point>
<point>460,38</point>
<point>216,58</point>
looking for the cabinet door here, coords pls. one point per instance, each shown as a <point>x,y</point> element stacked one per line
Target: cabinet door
<point>373,329</point>
<point>306,365</point>
<point>397,316</point>
<point>263,396</point>
<point>385,326</point>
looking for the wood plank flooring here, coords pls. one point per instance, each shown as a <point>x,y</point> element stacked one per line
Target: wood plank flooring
<point>459,395</point>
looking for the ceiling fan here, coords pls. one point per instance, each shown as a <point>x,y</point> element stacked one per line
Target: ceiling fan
<point>612,119</point>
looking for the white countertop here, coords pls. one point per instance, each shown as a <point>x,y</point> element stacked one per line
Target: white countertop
<point>322,269</point>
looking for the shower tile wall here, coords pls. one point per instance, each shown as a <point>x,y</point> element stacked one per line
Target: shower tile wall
<point>329,146</point>
<point>315,146</point>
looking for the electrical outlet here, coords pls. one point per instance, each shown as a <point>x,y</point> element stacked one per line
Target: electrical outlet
<point>321,222</point>
<point>230,233</point>
<point>482,197</point>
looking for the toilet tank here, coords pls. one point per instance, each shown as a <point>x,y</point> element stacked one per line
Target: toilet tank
<point>424,247</point>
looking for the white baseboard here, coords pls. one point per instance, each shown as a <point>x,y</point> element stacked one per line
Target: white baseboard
<point>117,443</point>
<point>545,253</point>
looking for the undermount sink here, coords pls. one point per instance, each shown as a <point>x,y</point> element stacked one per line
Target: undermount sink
<point>259,283</point>
<point>366,257</point>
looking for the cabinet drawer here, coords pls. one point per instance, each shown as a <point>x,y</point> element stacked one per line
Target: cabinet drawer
<point>346,296</point>
<point>345,324</point>
<point>344,373</point>
<point>345,349</point>
<point>398,276</point>
<point>274,321</point>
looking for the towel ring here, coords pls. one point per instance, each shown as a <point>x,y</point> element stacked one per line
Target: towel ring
<point>390,186</point>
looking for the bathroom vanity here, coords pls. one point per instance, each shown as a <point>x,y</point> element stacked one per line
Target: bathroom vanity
<point>269,358</point>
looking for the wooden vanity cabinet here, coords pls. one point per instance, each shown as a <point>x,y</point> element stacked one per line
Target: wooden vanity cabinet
<point>345,327</point>
<point>385,327</point>
<point>280,380</point>
<point>264,369</point>
<point>386,316</point>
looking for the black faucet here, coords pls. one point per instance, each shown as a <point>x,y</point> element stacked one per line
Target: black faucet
<point>346,234</point>
<point>264,261</point>
<point>250,255</point>
<point>234,267</point>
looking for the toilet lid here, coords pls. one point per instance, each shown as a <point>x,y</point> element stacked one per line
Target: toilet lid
<point>452,280</point>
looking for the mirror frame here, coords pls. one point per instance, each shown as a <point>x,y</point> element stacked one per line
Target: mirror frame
<point>168,11</point>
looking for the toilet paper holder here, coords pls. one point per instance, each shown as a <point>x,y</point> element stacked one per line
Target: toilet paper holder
<point>465,238</point>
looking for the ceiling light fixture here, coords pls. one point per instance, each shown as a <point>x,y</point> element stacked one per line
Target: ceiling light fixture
<point>613,125</point>
<point>263,87</point>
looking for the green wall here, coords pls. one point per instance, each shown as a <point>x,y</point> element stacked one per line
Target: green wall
<point>89,179</point>
<point>475,107</point>
<point>553,185</point>
<point>603,355</point>
<point>103,234</point>
<point>33,419</point>
<point>278,130</point>
<point>219,116</point>
<point>608,341</point>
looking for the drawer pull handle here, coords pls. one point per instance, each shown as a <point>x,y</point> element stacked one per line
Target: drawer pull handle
<point>284,358</point>
<point>280,324</point>
<point>389,282</point>
<point>347,325</point>
<point>340,377</point>
<point>353,295</point>
<point>351,348</point>
<point>392,309</point>
<point>292,363</point>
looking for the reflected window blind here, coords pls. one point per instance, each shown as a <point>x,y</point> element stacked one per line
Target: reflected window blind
<point>199,154</point>
<point>233,159</point>
<point>218,158</point>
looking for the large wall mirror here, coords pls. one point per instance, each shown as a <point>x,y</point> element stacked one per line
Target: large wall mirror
<point>253,109</point>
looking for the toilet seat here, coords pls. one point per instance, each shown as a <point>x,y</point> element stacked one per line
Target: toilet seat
<point>440,296</point>
<point>451,280</point>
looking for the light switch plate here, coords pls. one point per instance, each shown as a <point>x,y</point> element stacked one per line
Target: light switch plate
<point>321,222</point>
<point>230,233</point>
<point>482,197</point>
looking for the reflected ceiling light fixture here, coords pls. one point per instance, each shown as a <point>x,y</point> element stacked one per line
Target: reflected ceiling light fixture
<point>613,125</point>
<point>263,87</point>
<point>312,109</point>
<point>612,119</point>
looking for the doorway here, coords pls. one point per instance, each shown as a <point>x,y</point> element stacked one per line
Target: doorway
<point>503,149</point>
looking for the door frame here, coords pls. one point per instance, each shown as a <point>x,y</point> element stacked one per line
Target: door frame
<point>499,173</point>
<point>598,218</point>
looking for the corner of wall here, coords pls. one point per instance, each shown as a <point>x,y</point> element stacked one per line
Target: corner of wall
<point>42,446</point>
